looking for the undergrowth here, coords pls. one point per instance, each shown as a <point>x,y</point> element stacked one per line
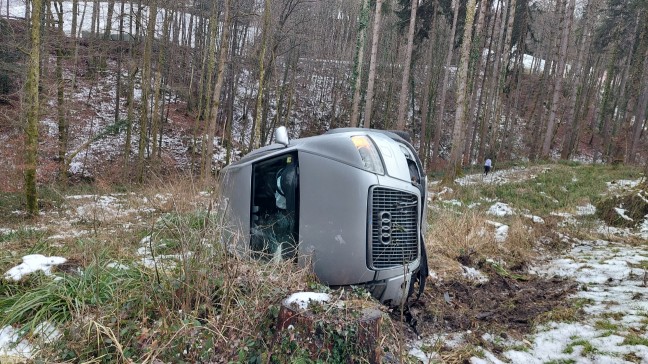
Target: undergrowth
<point>171,289</point>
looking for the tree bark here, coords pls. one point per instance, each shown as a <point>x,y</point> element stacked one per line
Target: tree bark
<point>444,86</point>
<point>60,100</point>
<point>157,114</point>
<point>358,62</point>
<point>219,85</point>
<point>640,112</point>
<point>476,89</point>
<point>32,102</point>
<point>146,85</point>
<point>372,64</point>
<point>402,104</point>
<point>460,116</point>
<point>559,77</point>
<point>255,138</point>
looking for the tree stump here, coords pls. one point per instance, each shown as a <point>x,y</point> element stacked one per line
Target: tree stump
<point>322,326</point>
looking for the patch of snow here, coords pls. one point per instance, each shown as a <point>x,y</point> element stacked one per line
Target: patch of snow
<point>453,202</point>
<point>501,231</point>
<point>612,286</point>
<point>33,263</point>
<point>568,219</point>
<point>622,213</point>
<point>304,299</point>
<point>47,332</point>
<point>641,196</point>
<point>115,265</point>
<point>7,231</point>
<point>585,210</point>
<point>474,274</point>
<point>12,345</point>
<point>643,228</point>
<point>68,234</point>
<point>623,184</point>
<point>613,231</point>
<point>534,218</point>
<point>500,209</point>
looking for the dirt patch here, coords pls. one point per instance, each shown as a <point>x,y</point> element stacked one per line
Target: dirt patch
<point>511,304</point>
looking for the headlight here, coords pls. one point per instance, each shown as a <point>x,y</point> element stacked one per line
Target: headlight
<point>368,153</point>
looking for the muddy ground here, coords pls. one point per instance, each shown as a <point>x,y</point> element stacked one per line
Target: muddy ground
<point>509,306</point>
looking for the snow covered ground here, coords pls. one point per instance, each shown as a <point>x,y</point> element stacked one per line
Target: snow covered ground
<point>613,278</point>
<point>615,295</point>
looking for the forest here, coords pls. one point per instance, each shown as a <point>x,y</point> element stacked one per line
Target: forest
<point>469,80</point>
<point>117,119</point>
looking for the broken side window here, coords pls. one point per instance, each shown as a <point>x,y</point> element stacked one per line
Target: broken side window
<point>274,221</point>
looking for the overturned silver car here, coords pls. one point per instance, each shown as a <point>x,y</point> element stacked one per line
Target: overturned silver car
<point>351,202</point>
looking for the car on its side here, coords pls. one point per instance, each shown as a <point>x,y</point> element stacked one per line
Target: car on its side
<point>351,202</point>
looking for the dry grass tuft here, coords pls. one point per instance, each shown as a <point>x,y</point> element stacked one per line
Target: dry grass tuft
<point>455,239</point>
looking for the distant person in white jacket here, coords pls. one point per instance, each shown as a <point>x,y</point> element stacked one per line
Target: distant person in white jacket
<point>487,166</point>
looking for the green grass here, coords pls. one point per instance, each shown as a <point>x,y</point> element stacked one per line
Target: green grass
<point>569,185</point>
<point>561,361</point>
<point>605,325</point>
<point>588,348</point>
<point>21,234</point>
<point>44,299</point>
<point>635,340</point>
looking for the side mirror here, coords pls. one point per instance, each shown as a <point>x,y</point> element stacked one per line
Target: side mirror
<point>281,136</point>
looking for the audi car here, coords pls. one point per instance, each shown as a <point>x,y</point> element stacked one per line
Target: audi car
<point>350,202</point>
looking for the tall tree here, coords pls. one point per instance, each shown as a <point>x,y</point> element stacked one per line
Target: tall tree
<point>156,117</point>
<point>565,30</point>
<point>32,101</point>
<point>640,112</point>
<point>372,64</point>
<point>402,105</point>
<point>146,86</point>
<point>444,85</point>
<point>255,138</point>
<point>60,99</point>
<point>358,58</point>
<point>460,116</point>
<point>211,131</point>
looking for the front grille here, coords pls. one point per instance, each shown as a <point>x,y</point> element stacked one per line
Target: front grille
<point>394,228</point>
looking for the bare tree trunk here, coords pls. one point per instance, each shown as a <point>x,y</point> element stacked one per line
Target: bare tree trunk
<point>256,137</point>
<point>358,62</point>
<point>219,85</point>
<point>402,105</point>
<point>460,116</point>
<point>482,115</point>
<point>372,64</point>
<point>94,19</point>
<point>108,27</point>
<point>205,85</point>
<point>565,30</point>
<point>119,63</point>
<point>60,100</point>
<point>476,88</point>
<point>146,85</point>
<point>640,112</point>
<point>157,114</point>
<point>444,86</point>
<point>32,103</point>
<point>493,100</point>
<point>75,11</point>
<point>577,88</point>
